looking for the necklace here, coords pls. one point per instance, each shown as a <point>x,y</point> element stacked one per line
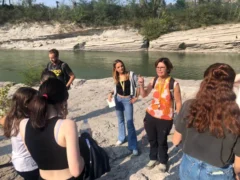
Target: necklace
<point>160,90</point>
<point>122,83</point>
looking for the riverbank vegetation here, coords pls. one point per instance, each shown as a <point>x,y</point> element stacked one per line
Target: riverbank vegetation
<point>152,17</point>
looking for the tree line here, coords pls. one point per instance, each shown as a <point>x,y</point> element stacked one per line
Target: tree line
<point>152,17</point>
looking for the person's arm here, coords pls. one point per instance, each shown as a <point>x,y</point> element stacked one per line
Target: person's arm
<point>177,138</point>
<point>72,77</point>
<point>110,95</point>
<point>177,97</point>
<point>180,126</point>
<point>144,92</point>
<point>68,70</point>
<point>237,167</point>
<point>75,161</point>
<point>2,120</point>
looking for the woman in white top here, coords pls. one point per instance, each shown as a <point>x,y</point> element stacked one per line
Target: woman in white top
<point>21,158</point>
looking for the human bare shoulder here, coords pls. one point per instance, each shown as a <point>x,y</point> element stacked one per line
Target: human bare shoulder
<point>2,120</point>
<point>22,127</point>
<point>69,125</point>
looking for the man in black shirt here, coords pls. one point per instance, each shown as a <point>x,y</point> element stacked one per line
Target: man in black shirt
<point>60,68</point>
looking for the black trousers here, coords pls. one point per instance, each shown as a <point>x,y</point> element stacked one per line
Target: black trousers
<point>157,131</point>
<point>30,175</point>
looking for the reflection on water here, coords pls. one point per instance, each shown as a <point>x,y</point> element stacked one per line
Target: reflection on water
<point>93,65</point>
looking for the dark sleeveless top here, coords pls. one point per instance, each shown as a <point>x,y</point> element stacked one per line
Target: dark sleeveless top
<point>127,88</point>
<point>43,147</point>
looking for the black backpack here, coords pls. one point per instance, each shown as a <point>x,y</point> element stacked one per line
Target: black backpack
<point>95,157</point>
<point>65,74</point>
<point>171,89</point>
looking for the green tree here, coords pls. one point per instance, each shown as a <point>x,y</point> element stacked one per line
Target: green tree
<point>152,6</point>
<point>180,4</point>
<point>28,2</point>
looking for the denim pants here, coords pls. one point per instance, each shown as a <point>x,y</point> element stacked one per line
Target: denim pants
<point>124,111</point>
<point>194,169</point>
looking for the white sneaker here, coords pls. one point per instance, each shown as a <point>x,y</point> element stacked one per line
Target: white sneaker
<point>118,143</point>
<point>162,167</point>
<point>135,153</point>
<point>151,164</point>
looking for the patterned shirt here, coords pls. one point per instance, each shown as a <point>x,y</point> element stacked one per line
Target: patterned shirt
<point>161,105</point>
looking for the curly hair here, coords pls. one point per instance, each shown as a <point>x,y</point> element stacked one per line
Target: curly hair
<point>214,108</point>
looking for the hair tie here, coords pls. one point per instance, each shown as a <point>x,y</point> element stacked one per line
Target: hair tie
<point>45,95</point>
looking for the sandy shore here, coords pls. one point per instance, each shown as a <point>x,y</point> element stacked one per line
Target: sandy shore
<point>42,36</point>
<point>88,100</point>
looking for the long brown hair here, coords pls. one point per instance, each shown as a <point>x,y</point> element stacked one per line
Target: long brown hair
<point>115,74</point>
<point>215,108</point>
<point>18,110</point>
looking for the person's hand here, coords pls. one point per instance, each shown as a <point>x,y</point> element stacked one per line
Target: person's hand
<point>237,177</point>
<point>110,97</point>
<point>133,100</point>
<point>140,80</point>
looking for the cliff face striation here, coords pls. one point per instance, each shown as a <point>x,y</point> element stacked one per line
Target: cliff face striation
<point>219,38</point>
<point>43,36</point>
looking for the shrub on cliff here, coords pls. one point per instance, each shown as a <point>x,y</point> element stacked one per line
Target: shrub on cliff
<point>4,101</point>
<point>153,28</point>
<point>32,74</point>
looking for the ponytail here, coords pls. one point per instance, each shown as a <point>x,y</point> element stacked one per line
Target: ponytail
<point>38,114</point>
<point>53,92</point>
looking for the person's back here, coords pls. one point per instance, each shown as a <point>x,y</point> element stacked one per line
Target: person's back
<point>19,112</point>
<point>53,142</point>
<point>21,158</point>
<point>209,127</point>
<point>43,140</point>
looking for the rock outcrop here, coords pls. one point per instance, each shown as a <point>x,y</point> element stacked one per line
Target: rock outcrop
<point>42,36</point>
<point>219,38</point>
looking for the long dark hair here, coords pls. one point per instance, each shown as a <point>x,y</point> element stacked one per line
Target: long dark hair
<point>52,91</point>
<point>215,108</point>
<point>46,74</point>
<point>115,74</point>
<point>18,110</point>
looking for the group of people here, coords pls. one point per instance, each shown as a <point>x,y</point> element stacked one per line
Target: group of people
<point>207,127</point>
<point>159,115</point>
<point>45,143</point>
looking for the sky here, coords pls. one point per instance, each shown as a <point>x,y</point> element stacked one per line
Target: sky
<point>52,3</point>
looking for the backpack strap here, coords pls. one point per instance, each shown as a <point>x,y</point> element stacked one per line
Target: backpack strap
<point>154,81</point>
<point>171,89</point>
<point>48,66</point>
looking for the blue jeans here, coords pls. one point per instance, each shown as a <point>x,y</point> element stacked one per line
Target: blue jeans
<point>194,169</point>
<point>124,111</point>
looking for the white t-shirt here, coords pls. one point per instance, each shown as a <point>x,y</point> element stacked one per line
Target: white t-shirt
<point>21,158</point>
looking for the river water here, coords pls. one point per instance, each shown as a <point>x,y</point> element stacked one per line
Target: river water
<point>95,65</point>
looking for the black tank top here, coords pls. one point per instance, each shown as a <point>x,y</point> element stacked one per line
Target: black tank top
<point>43,147</point>
<point>126,90</point>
